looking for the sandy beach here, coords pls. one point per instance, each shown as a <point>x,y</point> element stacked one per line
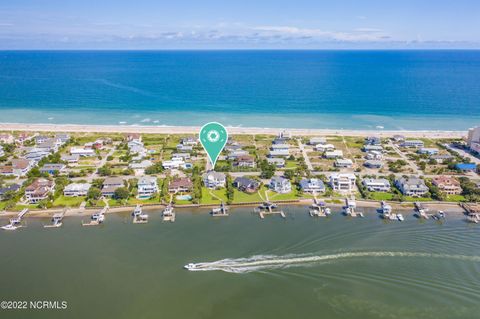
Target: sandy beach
<point>232,130</point>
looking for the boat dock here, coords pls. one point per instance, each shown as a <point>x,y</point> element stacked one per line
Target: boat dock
<point>268,208</point>
<point>97,218</point>
<point>57,220</point>
<point>16,222</point>
<point>319,209</point>
<point>473,212</point>
<point>388,214</point>
<point>220,211</point>
<point>421,211</point>
<point>138,216</point>
<point>168,214</point>
<point>349,208</point>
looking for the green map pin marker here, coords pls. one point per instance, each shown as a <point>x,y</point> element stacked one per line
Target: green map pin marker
<point>213,137</point>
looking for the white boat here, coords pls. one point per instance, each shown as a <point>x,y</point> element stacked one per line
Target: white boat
<point>168,214</point>
<point>10,227</point>
<point>190,266</point>
<point>98,217</point>
<point>386,208</point>
<point>16,223</point>
<point>138,216</point>
<point>400,217</point>
<point>56,221</point>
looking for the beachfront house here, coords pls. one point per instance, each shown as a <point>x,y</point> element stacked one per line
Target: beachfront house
<point>189,141</point>
<point>411,186</point>
<point>343,163</point>
<point>70,159</point>
<point>448,185</point>
<point>246,184</point>
<point>334,154</point>
<point>373,140</point>
<point>374,155</point>
<point>398,138</point>
<point>373,164</point>
<point>51,145</point>
<point>412,143</point>
<point>110,185</point>
<point>237,153</point>
<point>428,150</point>
<point>41,139</point>
<point>280,185</point>
<point>370,148</point>
<point>36,154</point>
<point>147,187</point>
<point>76,189</point>
<point>184,148</point>
<point>376,184</point>
<point>214,180</point>
<point>312,185</point>
<point>342,182</point>
<point>39,190</point>
<point>279,152</point>
<point>317,140</point>
<point>180,184</point>
<point>278,162</point>
<point>21,166</point>
<point>52,168</point>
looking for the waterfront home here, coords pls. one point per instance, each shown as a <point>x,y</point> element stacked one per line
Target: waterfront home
<point>373,140</point>
<point>345,163</point>
<point>70,159</point>
<point>81,151</point>
<point>41,139</point>
<point>244,161</point>
<point>96,145</point>
<point>184,148</point>
<point>279,152</point>
<point>39,190</point>
<point>22,137</point>
<point>447,184</point>
<point>412,143</point>
<point>280,185</point>
<point>285,134</point>
<point>278,162</point>
<point>280,140</point>
<point>317,140</point>
<point>373,164</point>
<point>465,167</point>
<point>174,163</point>
<point>370,148</point>
<point>76,189</point>
<point>334,154</point>
<point>2,152</point>
<point>7,138</point>
<point>324,147</point>
<point>133,137</point>
<point>21,166</point>
<point>237,153</point>
<point>110,185</point>
<point>342,182</point>
<point>246,184</point>
<point>280,147</point>
<point>312,185</point>
<point>428,151</point>
<point>411,186</point>
<point>214,180</point>
<point>376,185</point>
<point>6,170</point>
<point>374,155</point>
<point>180,184</point>
<point>9,188</point>
<point>147,187</point>
<point>36,154</point>
<point>441,158</point>
<point>62,138</point>
<point>52,168</point>
<point>50,145</point>
<point>398,138</point>
<point>233,147</point>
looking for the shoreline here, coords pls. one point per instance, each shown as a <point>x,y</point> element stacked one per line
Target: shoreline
<point>83,128</point>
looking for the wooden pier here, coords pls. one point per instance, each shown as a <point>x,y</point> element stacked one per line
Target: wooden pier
<point>319,209</point>
<point>138,216</point>
<point>16,222</point>
<point>268,208</point>
<point>57,220</point>
<point>168,214</point>
<point>473,212</point>
<point>220,211</point>
<point>97,218</point>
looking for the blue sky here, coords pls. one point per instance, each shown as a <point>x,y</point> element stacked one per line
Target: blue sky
<point>211,24</point>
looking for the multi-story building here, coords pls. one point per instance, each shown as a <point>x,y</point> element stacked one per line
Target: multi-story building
<point>147,187</point>
<point>39,190</point>
<point>342,182</point>
<point>447,184</point>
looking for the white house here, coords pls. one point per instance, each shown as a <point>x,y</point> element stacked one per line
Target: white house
<point>343,162</point>
<point>279,152</point>
<point>76,189</point>
<point>21,166</point>
<point>280,185</point>
<point>214,179</point>
<point>428,150</point>
<point>81,151</point>
<point>278,162</point>
<point>342,182</point>
<point>2,152</point>
<point>324,147</point>
<point>312,185</point>
<point>376,185</point>
<point>147,186</point>
<point>317,140</point>
<point>39,190</point>
<point>175,162</point>
<point>334,154</point>
<point>412,143</point>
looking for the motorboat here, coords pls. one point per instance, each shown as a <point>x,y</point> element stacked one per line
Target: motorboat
<point>190,266</point>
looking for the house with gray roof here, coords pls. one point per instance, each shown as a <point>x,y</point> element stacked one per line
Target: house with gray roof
<point>411,186</point>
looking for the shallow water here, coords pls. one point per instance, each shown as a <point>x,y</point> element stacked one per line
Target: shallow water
<point>298,267</point>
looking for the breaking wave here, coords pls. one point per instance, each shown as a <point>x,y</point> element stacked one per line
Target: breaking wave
<point>264,262</point>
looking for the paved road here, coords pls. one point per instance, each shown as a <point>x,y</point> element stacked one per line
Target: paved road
<point>305,155</point>
<point>412,165</point>
<point>102,163</point>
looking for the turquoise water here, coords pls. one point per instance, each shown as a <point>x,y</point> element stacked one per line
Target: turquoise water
<point>304,89</point>
<point>298,267</point>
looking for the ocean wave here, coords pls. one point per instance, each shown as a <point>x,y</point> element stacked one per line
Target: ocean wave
<point>266,262</point>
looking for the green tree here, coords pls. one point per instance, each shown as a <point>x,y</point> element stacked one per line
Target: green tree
<point>121,193</point>
<point>94,193</point>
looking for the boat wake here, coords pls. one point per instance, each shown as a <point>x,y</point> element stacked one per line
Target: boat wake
<point>265,262</point>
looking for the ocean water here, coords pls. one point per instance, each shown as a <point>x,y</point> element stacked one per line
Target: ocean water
<point>293,89</point>
<point>298,267</point>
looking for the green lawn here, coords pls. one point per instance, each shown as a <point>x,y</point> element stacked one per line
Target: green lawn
<point>64,201</point>
<point>416,199</point>
<point>207,197</point>
<point>289,196</point>
<point>241,197</point>
<point>135,201</point>
<point>381,196</point>
<point>2,205</point>
<point>290,164</point>
<point>455,198</point>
